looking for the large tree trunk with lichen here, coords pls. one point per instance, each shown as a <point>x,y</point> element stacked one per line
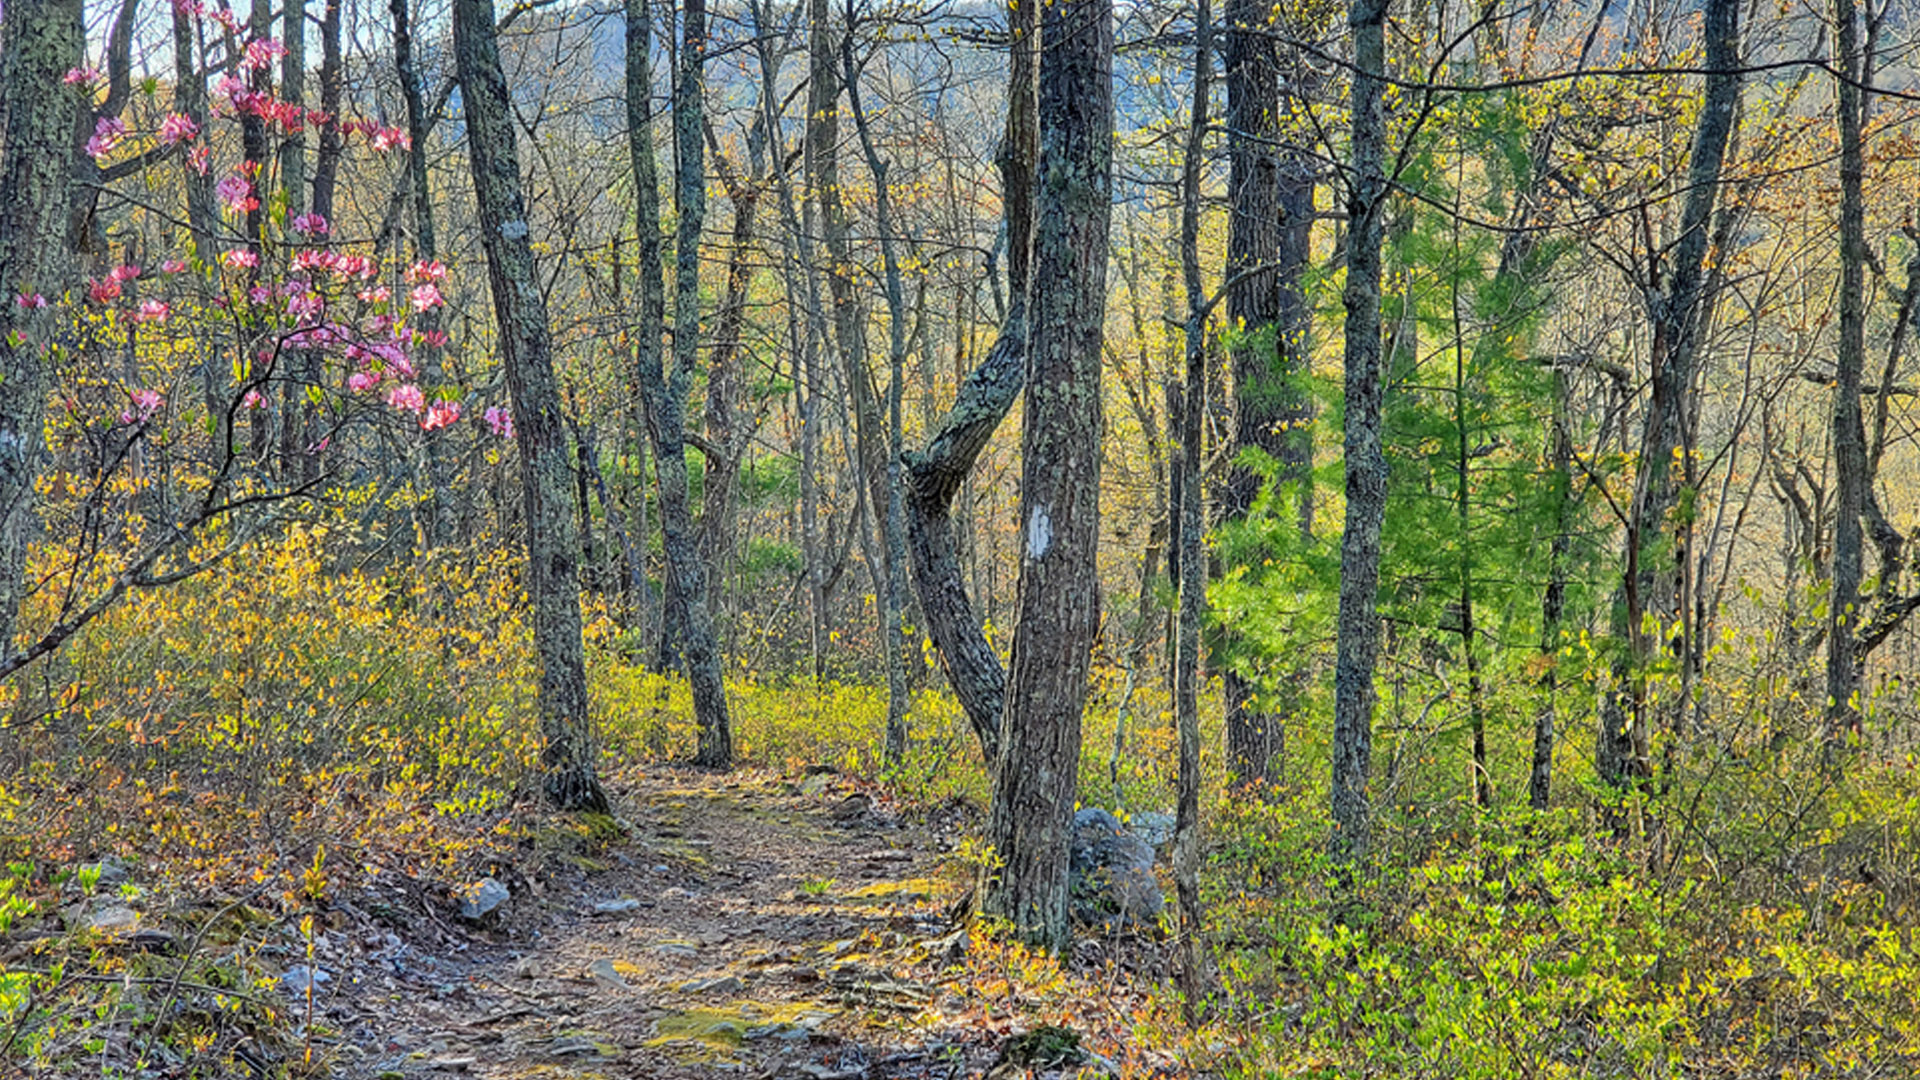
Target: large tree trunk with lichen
<point>527,357</point>
<point>1031,822</point>
<point>665,392</point>
<point>44,40</point>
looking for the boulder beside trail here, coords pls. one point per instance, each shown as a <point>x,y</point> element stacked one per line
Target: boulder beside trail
<point>1111,882</point>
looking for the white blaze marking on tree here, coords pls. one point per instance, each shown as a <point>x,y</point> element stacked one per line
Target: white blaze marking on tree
<point>1039,533</point>
<point>514,230</point>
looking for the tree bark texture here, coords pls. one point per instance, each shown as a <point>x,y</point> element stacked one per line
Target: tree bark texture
<point>1030,824</point>
<point>45,39</point>
<point>1269,233</point>
<point>665,392</point>
<point>553,551</point>
<point>1851,478</point>
<point>1358,644</point>
<point>934,477</point>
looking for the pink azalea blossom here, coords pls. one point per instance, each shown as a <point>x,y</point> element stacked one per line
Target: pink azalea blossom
<point>263,52</point>
<point>225,18</point>
<point>253,400</point>
<point>306,306</point>
<point>236,192</point>
<point>499,421</point>
<point>107,133</point>
<point>153,311</point>
<point>388,138</point>
<point>144,404</point>
<point>440,415</point>
<point>81,76</point>
<point>240,258</point>
<point>428,271</point>
<point>361,381</point>
<point>359,266</point>
<point>427,297</point>
<point>435,338</point>
<point>104,292</point>
<point>177,128</point>
<point>200,159</point>
<point>377,295</point>
<point>29,301</point>
<point>174,266</point>
<point>311,225</point>
<point>259,294</point>
<point>124,273</point>
<point>407,396</point>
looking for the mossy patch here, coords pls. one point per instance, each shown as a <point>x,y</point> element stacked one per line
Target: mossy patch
<point>908,891</point>
<point>709,1034</point>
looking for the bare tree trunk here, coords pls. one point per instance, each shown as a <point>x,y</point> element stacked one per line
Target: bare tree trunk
<point>293,185</point>
<point>1849,430</point>
<point>1655,563</point>
<point>728,429</point>
<point>894,528</point>
<point>426,248</point>
<point>1366,465</point>
<point>1196,969</point>
<point>1269,235</point>
<point>1030,824</point>
<point>44,41</point>
<point>665,393</point>
<point>527,356</point>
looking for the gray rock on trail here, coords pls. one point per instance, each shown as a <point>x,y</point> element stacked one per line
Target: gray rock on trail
<point>482,897</point>
<point>114,919</point>
<point>1111,882</point>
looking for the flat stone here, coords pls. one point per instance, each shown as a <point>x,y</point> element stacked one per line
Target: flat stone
<point>622,906</point>
<point>720,984</point>
<point>114,919</point>
<point>452,1064</point>
<point>605,973</point>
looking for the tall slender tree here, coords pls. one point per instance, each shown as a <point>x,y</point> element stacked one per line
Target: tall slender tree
<point>1366,464</point>
<point>520,312</point>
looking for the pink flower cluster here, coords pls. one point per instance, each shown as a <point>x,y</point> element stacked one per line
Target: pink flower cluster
<point>499,421</point>
<point>236,194</point>
<point>313,260</point>
<point>177,129</point>
<point>143,404</point>
<point>311,225</point>
<point>440,414</point>
<point>107,133</point>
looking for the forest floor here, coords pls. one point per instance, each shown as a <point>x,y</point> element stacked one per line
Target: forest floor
<point>736,925</point>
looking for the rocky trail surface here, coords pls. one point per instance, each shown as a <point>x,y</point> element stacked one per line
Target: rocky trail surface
<point>724,926</point>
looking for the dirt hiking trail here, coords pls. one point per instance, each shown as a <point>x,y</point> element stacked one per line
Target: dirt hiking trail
<point>724,926</point>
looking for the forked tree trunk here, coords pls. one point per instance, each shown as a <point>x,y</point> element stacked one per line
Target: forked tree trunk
<point>553,551</point>
<point>1031,821</point>
<point>987,393</point>
<point>1655,560</point>
<point>665,392</point>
